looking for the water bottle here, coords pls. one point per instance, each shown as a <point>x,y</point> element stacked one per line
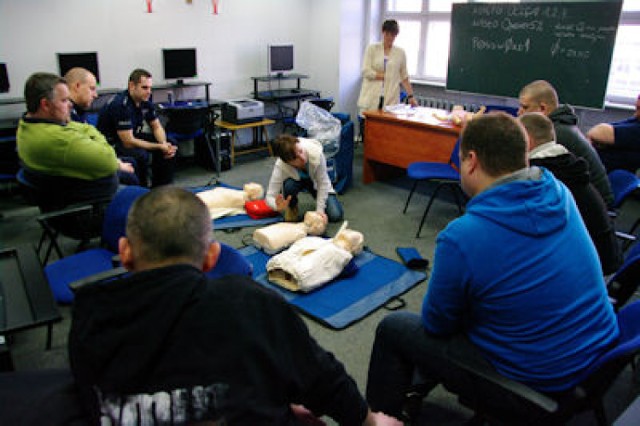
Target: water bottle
<point>170,98</point>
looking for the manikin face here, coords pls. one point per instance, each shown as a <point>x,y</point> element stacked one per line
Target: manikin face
<point>140,91</point>
<point>301,158</point>
<point>85,92</point>
<point>59,108</point>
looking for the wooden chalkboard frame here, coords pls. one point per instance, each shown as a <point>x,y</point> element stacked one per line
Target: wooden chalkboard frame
<point>497,48</point>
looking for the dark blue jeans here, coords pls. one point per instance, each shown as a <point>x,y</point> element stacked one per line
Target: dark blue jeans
<point>403,350</point>
<point>162,169</point>
<point>292,187</point>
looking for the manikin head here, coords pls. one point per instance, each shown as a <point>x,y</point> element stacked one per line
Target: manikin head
<point>314,223</point>
<point>253,190</point>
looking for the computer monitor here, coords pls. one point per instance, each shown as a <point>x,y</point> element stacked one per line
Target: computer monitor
<point>86,60</point>
<point>280,58</point>
<point>4,79</point>
<point>179,64</point>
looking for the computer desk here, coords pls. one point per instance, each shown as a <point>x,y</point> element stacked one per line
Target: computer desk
<point>401,139</point>
<point>257,137</point>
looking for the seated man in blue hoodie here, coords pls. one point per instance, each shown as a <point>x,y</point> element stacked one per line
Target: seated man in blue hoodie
<point>503,295</point>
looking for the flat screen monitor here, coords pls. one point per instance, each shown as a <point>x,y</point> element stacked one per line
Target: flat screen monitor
<point>179,64</point>
<point>4,79</point>
<point>280,58</point>
<point>86,60</point>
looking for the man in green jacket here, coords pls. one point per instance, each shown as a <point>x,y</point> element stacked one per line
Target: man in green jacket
<point>66,159</point>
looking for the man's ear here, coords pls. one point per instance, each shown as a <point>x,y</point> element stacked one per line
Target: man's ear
<point>211,256</point>
<point>124,250</point>
<point>472,159</point>
<point>44,104</point>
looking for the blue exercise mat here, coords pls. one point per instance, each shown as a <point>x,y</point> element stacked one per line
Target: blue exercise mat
<point>238,220</point>
<point>344,301</point>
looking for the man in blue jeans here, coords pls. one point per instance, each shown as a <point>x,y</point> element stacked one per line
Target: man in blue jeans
<point>301,165</point>
<point>504,295</point>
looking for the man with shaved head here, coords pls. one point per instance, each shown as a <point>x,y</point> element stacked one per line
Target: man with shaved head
<point>82,92</point>
<point>541,96</point>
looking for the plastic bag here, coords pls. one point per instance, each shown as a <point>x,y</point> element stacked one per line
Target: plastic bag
<point>320,125</point>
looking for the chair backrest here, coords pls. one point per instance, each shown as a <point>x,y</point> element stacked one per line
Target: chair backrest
<point>504,108</point>
<point>230,262</point>
<point>454,160</point>
<point>115,217</point>
<point>624,282</point>
<point>52,193</point>
<point>623,183</point>
<point>625,349</point>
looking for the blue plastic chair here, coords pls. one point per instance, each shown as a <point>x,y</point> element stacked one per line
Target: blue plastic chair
<point>230,262</point>
<point>625,281</point>
<point>63,272</point>
<point>446,175</point>
<point>623,184</point>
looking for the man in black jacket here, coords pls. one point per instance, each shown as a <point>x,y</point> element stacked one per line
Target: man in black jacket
<point>167,345</point>
<point>574,173</point>
<point>540,96</point>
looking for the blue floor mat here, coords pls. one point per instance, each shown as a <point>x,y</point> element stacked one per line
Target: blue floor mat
<point>239,220</point>
<point>346,300</point>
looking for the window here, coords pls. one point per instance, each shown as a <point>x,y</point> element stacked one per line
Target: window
<point>424,35</point>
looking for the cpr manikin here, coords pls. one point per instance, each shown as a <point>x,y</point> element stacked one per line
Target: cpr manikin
<point>313,261</point>
<point>274,238</point>
<point>227,201</point>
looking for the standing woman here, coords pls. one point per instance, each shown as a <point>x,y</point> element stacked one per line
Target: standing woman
<point>383,70</point>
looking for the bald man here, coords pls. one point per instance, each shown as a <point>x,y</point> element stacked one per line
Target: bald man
<point>82,92</point>
<point>541,96</point>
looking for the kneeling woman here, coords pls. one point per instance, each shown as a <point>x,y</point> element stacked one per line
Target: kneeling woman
<point>301,165</point>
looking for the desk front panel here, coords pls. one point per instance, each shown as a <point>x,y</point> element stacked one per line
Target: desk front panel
<point>394,141</point>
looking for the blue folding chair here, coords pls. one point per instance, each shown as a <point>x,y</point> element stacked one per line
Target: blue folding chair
<point>447,175</point>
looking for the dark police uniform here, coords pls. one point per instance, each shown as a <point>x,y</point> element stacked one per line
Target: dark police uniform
<point>121,113</point>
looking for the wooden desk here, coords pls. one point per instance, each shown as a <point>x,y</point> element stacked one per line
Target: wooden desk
<point>399,140</point>
<point>257,138</point>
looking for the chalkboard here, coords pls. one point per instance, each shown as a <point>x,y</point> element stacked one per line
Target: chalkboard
<point>497,48</point>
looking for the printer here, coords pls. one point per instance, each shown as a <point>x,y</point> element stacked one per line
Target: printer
<point>242,111</point>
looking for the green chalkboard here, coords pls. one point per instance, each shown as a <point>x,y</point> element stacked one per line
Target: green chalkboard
<point>497,48</point>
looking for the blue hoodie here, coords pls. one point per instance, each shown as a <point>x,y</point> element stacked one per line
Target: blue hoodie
<point>520,276</point>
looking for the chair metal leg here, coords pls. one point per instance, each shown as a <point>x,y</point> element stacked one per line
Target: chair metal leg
<point>415,184</point>
<point>456,193</point>
<point>49,334</point>
<point>426,211</point>
<point>598,411</point>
